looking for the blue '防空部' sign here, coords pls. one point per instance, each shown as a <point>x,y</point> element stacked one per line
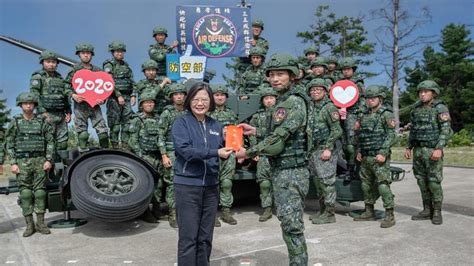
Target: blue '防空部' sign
<point>214,31</point>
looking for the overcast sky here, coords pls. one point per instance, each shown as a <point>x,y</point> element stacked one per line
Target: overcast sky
<point>59,24</point>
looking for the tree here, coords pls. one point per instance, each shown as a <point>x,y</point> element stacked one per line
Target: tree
<point>343,37</point>
<point>395,38</point>
<point>453,70</point>
<point>4,114</point>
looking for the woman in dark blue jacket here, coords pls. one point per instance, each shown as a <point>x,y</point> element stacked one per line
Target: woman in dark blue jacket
<point>198,143</point>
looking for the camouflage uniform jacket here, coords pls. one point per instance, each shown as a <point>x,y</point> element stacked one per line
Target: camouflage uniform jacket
<point>431,125</point>
<point>261,120</point>
<point>359,107</point>
<point>158,53</point>
<point>262,42</point>
<point>252,78</point>
<point>323,125</point>
<point>146,85</point>
<point>29,138</point>
<point>225,116</point>
<point>377,132</point>
<point>123,77</point>
<point>70,75</point>
<point>144,132</point>
<point>165,124</point>
<point>51,89</point>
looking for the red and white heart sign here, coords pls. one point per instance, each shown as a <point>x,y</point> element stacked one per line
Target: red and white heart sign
<point>344,93</point>
<point>93,86</point>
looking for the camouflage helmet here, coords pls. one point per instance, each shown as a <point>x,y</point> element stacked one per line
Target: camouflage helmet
<point>348,62</point>
<point>147,96</point>
<point>375,91</point>
<point>319,61</point>
<point>26,97</point>
<point>47,55</point>
<point>311,49</point>
<point>84,47</point>
<point>117,46</point>
<point>258,23</point>
<point>281,61</point>
<point>428,85</point>
<point>175,88</point>
<point>219,88</point>
<point>317,83</point>
<point>160,30</point>
<point>149,64</point>
<point>257,50</point>
<point>332,59</point>
<point>266,90</point>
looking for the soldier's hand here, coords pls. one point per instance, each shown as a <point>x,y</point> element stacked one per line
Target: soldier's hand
<point>380,158</point>
<point>78,98</point>
<point>342,112</point>
<point>15,169</point>
<point>121,100</point>
<point>407,153</point>
<point>241,153</point>
<point>359,157</point>
<point>166,161</point>
<point>133,100</point>
<point>67,118</point>
<point>256,158</point>
<point>326,155</point>
<point>224,153</point>
<point>99,102</point>
<point>240,161</point>
<point>248,129</point>
<point>436,155</point>
<point>174,44</point>
<point>165,81</point>
<point>357,125</point>
<point>253,42</point>
<point>47,166</point>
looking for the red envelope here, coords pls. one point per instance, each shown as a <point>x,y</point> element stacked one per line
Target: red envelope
<point>234,137</point>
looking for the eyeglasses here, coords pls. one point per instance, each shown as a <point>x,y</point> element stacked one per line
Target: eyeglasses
<point>203,100</point>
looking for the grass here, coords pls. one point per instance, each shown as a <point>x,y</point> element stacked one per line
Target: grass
<point>456,156</point>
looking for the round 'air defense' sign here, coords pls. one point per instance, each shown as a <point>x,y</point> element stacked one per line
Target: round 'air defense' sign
<point>214,35</point>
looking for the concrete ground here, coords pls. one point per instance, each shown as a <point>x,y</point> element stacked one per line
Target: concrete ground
<point>253,243</point>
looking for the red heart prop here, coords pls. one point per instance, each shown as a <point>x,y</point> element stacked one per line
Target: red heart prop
<point>93,86</point>
<point>344,93</point>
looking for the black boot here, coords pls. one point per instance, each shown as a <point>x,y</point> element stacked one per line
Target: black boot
<point>40,225</point>
<point>389,219</point>
<point>367,215</point>
<point>30,226</point>
<point>437,217</point>
<point>426,213</point>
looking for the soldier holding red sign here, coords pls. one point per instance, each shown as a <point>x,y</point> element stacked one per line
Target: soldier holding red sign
<point>82,110</point>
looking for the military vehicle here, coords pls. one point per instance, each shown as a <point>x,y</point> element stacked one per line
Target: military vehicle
<point>114,185</point>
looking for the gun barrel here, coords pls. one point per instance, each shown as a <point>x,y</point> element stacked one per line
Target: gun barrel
<point>35,49</point>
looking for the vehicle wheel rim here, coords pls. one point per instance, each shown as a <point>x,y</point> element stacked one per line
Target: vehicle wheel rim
<point>112,180</point>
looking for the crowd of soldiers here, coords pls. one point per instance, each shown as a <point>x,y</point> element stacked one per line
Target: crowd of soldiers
<point>298,129</point>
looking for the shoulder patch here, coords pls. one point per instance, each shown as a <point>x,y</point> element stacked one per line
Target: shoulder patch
<point>279,115</point>
<point>335,116</point>
<point>34,82</point>
<point>107,69</point>
<point>444,116</point>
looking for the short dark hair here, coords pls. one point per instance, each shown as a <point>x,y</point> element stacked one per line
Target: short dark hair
<point>192,93</point>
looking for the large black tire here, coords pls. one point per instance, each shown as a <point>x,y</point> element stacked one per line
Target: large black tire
<point>96,191</point>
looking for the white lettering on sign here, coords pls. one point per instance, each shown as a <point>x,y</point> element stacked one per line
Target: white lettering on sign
<point>99,86</point>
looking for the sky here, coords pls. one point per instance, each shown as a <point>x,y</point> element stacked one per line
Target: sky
<point>58,25</point>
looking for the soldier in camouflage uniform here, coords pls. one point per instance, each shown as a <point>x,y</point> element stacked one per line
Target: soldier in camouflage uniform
<point>158,51</point>
<point>144,132</point>
<point>30,148</point>
<point>376,137</point>
<point>177,94</point>
<point>323,130</point>
<point>254,76</point>
<point>310,54</point>
<point>333,70</point>
<point>153,85</point>
<point>257,41</point>
<point>225,116</point>
<point>349,68</point>
<point>286,148</point>
<point>119,104</point>
<point>82,110</point>
<point>429,134</point>
<point>53,104</point>
<point>261,121</point>
<point>319,69</point>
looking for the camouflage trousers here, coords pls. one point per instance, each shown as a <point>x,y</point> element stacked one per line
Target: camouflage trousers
<point>31,184</point>
<point>118,118</point>
<point>226,175</point>
<point>349,138</point>
<point>290,187</point>
<point>428,174</point>
<point>376,181</point>
<point>324,176</point>
<point>82,112</point>
<point>168,174</point>
<point>59,125</point>
<point>264,179</point>
<point>155,161</point>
